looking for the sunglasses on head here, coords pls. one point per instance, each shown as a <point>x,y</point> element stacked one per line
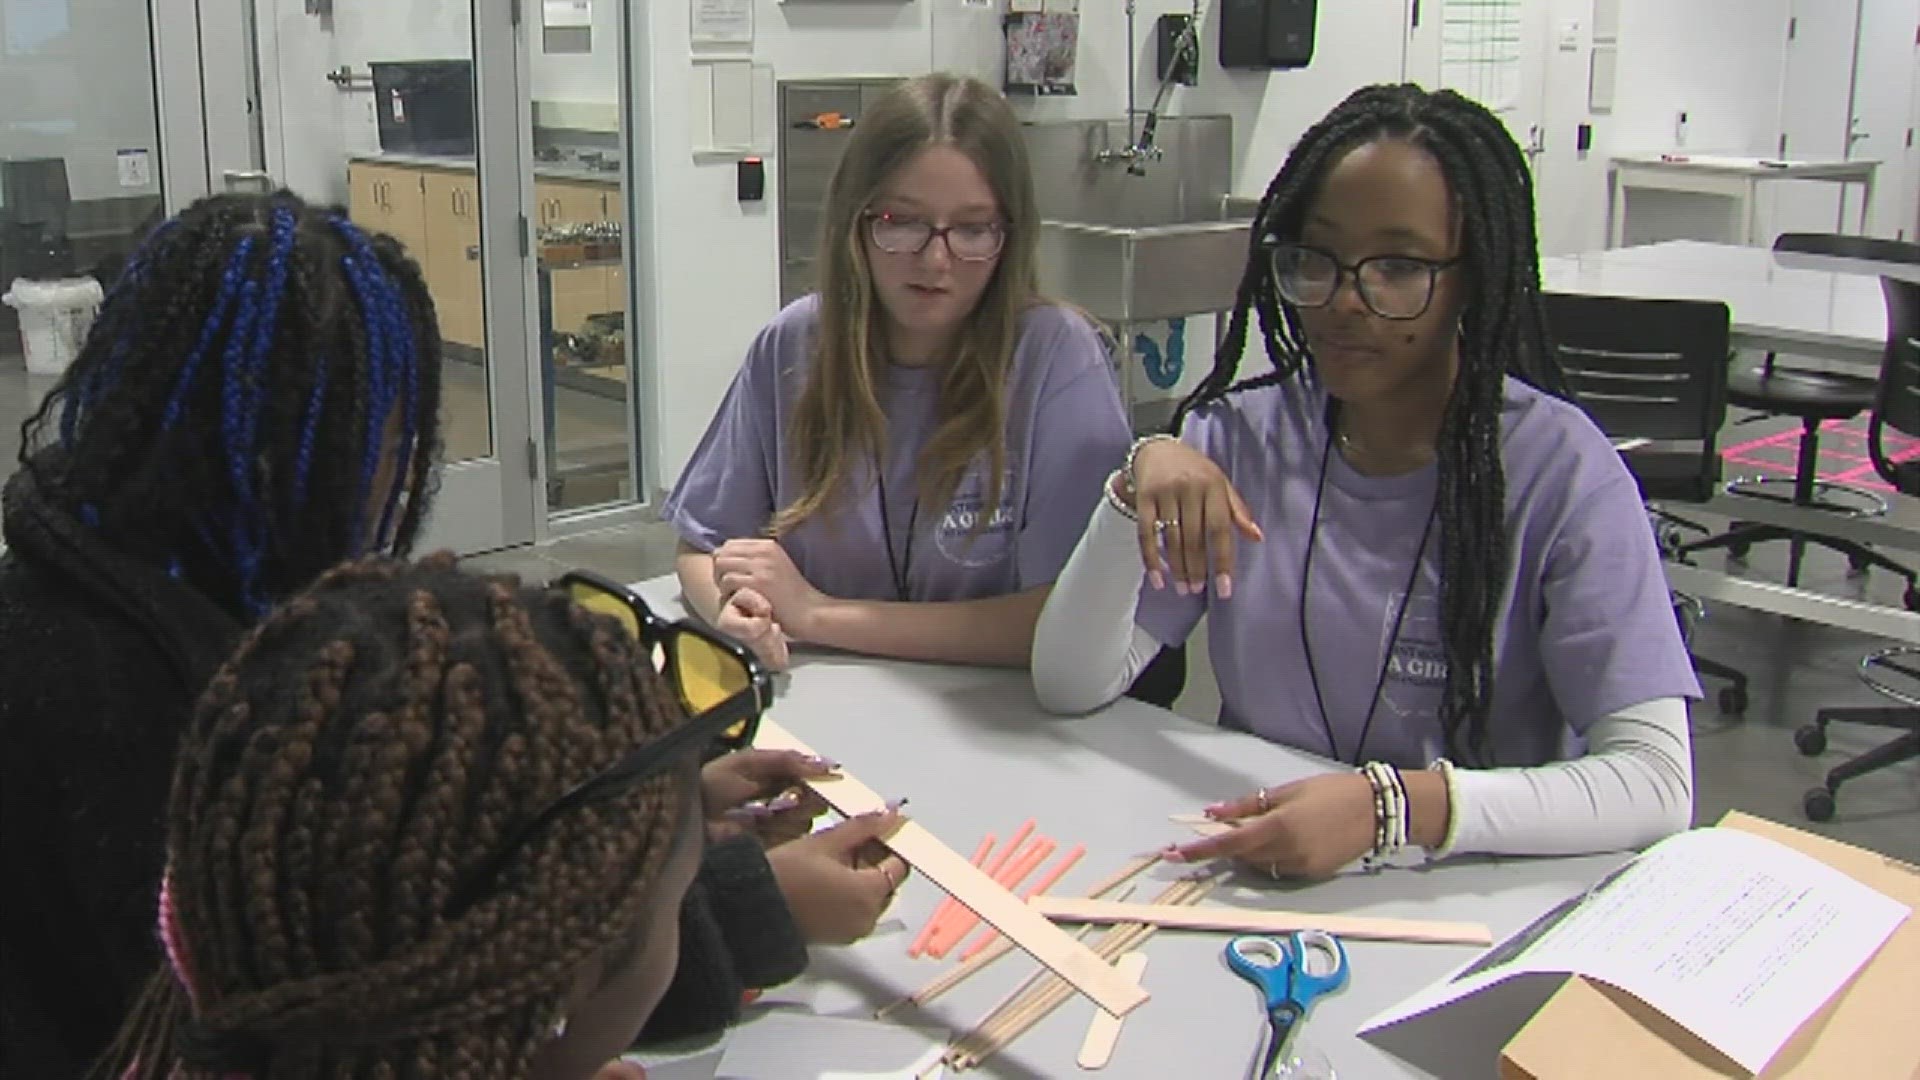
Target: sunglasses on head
<point>720,684</point>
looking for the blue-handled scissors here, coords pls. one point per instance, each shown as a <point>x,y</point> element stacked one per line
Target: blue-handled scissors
<point>1292,973</point>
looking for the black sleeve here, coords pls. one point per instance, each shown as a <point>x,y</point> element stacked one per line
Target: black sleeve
<point>736,935</point>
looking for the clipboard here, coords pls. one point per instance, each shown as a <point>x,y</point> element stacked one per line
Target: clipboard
<point>1588,1030</point>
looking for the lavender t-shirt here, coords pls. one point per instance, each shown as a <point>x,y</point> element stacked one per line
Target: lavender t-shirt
<point>1065,432</point>
<point>1586,627</point>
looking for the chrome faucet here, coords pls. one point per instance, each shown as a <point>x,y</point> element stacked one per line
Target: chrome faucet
<point>1186,51</point>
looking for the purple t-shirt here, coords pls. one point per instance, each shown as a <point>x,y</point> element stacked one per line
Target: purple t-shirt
<point>1065,432</point>
<point>1586,627</point>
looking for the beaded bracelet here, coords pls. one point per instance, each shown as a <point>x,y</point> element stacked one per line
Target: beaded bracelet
<point>1448,775</point>
<point>1133,453</point>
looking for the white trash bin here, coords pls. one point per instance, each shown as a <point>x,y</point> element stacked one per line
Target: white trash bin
<point>54,319</point>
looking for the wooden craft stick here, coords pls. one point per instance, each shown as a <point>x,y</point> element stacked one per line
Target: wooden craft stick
<point>1104,1032</point>
<point>995,1033</point>
<point>1243,921</point>
<point>1009,879</point>
<point>960,879</point>
<point>1046,882</point>
<point>948,905</point>
<point>1116,940</point>
<point>1001,946</point>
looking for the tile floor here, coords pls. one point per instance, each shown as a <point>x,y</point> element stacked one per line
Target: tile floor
<point>1744,763</point>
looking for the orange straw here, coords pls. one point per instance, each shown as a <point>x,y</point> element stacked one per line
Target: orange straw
<point>949,911</point>
<point>1008,879</point>
<point>944,910</point>
<point>1047,881</point>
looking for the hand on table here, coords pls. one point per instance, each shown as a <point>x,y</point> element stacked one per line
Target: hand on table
<point>1182,498</point>
<point>747,617</point>
<point>839,881</point>
<point>764,567</point>
<point>1307,829</point>
<point>730,782</point>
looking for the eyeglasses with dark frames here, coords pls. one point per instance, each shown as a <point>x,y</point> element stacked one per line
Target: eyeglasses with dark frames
<point>1397,287</point>
<point>899,234</point>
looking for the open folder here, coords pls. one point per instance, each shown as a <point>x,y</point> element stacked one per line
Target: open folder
<point>1865,1031</point>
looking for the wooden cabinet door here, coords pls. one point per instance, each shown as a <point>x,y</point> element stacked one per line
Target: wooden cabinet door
<point>387,198</point>
<point>564,202</point>
<point>453,256</point>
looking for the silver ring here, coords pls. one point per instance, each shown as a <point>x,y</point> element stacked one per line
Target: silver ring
<point>1273,869</point>
<point>892,885</point>
<point>1165,526</point>
<point>1260,800</point>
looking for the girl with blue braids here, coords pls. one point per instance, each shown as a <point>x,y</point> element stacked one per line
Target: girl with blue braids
<point>258,401</point>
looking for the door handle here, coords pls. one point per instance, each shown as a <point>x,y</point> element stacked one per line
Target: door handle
<point>248,180</point>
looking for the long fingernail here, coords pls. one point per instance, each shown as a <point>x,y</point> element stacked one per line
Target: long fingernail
<point>1154,579</point>
<point>1179,587</point>
<point>894,806</point>
<point>1223,587</point>
<point>824,763</point>
<point>786,801</point>
<point>1174,855</point>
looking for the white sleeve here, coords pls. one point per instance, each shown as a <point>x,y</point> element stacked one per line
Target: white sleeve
<point>1086,648</point>
<point>1633,787</point>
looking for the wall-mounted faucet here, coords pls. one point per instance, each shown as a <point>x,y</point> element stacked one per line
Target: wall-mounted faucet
<point>1186,56</point>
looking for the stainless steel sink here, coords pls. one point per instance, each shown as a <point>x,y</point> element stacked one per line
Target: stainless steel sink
<point>1129,274</point>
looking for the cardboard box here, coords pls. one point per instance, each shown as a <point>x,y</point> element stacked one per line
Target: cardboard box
<point>1869,1031</point>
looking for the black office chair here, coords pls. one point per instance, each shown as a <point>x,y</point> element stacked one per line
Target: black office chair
<point>1814,397</point>
<point>1654,372</point>
<point>1894,672</point>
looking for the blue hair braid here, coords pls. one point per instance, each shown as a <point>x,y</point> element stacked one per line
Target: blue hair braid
<point>229,287</point>
<point>309,431</point>
<point>245,362</point>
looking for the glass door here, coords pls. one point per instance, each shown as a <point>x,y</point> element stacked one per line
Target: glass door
<point>81,162</point>
<point>582,240</point>
<point>406,113</point>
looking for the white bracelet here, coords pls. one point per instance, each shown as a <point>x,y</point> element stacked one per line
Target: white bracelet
<point>1133,452</point>
<point>1446,770</point>
<point>1114,500</point>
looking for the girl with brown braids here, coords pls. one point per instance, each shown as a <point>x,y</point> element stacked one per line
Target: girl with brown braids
<point>424,824</point>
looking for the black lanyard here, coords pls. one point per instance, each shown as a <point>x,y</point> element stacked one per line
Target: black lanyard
<point>1393,639</point>
<point>902,569</point>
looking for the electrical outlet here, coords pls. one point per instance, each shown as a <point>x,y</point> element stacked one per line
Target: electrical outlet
<point>1570,36</point>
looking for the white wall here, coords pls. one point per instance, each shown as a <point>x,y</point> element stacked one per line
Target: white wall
<point>82,94</point>
<point>1719,60</point>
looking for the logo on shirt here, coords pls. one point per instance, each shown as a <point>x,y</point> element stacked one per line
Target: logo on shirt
<point>1417,660</point>
<point>969,533</point>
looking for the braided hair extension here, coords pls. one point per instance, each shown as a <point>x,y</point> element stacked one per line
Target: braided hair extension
<point>1503,332</point>
<point>218,419</point>
<point>369,745</point>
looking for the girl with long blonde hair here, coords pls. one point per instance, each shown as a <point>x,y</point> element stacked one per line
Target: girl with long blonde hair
<point>903,463</point>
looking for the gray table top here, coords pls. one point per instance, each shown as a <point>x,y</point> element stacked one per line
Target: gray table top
<point>975,754</point>
<point>1830,309</point>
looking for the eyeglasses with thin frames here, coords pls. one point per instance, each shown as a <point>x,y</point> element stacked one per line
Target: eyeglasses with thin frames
<point>721,685</point>
<point>897,234</point>
<point>1397,287</point>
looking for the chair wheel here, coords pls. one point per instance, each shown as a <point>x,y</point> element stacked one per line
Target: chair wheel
<point>1812,740</point>
<point>1818,804</point>
<point>1733,700</point>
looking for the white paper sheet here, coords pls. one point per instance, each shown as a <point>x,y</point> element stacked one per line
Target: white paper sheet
<point>1733,936</point>
<point>794,1044</point>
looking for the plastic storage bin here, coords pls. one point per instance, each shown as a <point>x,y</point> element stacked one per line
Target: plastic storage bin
<point>54,319</point>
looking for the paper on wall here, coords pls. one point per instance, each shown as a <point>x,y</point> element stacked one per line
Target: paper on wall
<point>1735,937</point>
